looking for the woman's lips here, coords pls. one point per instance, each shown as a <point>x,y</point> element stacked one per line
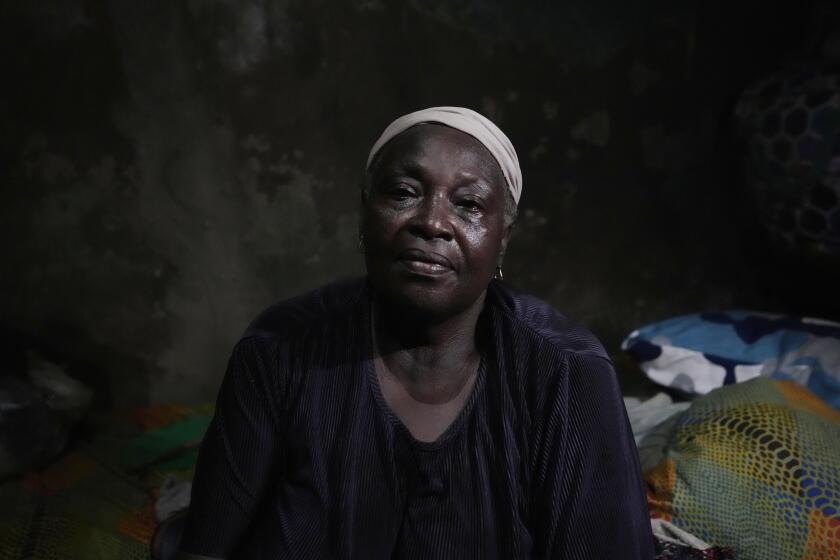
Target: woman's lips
<point>425,263</point>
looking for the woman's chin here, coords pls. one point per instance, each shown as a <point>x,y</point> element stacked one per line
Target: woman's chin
<point>419,299</point>
<point>433,298</point>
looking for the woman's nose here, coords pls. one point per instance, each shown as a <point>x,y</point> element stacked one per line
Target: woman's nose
<point>432,219</point>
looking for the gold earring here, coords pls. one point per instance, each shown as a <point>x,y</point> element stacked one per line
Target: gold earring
<point>499,275</point>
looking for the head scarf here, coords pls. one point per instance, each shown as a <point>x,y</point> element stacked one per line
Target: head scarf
<point>470,122</point>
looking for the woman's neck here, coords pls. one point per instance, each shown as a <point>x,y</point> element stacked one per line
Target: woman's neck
<point>431,359</point>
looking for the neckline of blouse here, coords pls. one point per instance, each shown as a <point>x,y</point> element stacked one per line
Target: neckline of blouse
<point>454,429</point>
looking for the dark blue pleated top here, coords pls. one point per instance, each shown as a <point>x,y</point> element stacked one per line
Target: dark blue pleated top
<point>304,459</point>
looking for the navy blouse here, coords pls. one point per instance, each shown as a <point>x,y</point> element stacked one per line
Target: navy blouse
<point>304,459</point>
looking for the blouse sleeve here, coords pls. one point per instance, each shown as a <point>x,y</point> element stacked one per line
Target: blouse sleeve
<point>240,452</point>
<point>589,501</point>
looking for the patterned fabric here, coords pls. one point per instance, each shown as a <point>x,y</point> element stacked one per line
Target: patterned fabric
<point>791,124</point>
<point>671,551</point>
<point>700,352</point>
<point>97,502</point>
<point>677,544</point>
<point>755,467</point>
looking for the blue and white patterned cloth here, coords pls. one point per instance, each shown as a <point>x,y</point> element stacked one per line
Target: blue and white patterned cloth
<point>700,352</point>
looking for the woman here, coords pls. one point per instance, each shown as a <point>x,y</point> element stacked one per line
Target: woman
<point>429,410</point>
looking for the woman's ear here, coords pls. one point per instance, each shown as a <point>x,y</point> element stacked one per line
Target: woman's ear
<point>505,240</point>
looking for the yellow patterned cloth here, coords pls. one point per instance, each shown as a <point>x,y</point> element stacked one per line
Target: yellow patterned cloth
<point>97,501</point>
<point>756,467</point>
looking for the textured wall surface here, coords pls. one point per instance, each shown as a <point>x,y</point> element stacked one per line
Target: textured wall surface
<point>171,168</point>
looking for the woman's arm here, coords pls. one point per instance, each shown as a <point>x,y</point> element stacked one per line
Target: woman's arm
<point>239,455</point>
<point>589,500</point>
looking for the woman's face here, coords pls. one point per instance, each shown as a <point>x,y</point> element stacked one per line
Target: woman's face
<point>434,220</point>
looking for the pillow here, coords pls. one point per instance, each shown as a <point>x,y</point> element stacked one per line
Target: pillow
<point>755,467</point>
<point>700,352</point>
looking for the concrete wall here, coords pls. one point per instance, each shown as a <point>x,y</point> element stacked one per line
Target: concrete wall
<point>171,168</point>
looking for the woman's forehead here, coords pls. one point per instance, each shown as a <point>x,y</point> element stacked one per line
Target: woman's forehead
<point>435,145</point>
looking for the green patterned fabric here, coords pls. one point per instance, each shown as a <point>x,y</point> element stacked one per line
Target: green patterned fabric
<point>755,466</point>
<point>97,501</point>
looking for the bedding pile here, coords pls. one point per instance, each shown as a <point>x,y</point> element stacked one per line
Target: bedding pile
<point>98,500</point>
<point>753,462</point>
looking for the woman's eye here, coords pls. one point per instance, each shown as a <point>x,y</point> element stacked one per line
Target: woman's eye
<point>401,193</point>
<point>470,205</point>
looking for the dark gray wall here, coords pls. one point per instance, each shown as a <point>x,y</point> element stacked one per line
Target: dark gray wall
<point>171,168</point>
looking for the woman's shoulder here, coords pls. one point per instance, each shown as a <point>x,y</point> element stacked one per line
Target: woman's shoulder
<point>554,352</point>
<point>543,323</point>
<point>309,310</point>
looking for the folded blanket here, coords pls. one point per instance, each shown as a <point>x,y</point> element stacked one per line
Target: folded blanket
<point>652,421</point>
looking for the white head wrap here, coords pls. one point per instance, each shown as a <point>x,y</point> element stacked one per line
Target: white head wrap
<point>470,122</point>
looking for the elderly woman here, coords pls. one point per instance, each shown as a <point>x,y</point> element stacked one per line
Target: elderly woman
<point>428,410</point>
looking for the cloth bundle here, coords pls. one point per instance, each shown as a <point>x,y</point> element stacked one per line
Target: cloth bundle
<point>99,499</point>
<point>756,467</point>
